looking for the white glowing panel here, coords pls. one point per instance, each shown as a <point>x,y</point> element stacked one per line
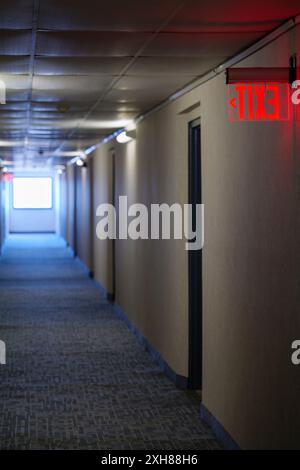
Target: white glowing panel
<point>32,193</point>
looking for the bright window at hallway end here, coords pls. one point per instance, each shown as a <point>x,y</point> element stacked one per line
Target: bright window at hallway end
<point>32,193</point>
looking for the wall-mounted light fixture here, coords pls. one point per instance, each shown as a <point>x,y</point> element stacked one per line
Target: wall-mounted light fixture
<point>80,162</point>
<point>126,136</point>
<point>123,138</point>
<point>60,169</point>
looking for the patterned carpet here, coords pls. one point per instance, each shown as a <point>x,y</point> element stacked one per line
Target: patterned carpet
<point>76,377</point>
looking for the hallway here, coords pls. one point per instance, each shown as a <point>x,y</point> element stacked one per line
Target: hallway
<point>76,377</point>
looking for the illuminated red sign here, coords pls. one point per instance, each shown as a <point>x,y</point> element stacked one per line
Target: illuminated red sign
<point>259,102</point>
<point>7,177</point>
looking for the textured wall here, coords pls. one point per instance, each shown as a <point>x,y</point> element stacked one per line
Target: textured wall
<point>251,267</point>
<point>102,193</point>
<point>62,205</point>
<point>84,229</point>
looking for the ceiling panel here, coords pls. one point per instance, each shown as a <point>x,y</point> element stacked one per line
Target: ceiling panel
<point>11,120</point>
<point>7,114</point>
<point>15,42</point>
<point>44,132</point>
<point>73,85</point>
<point>65,95</point>
<point>14,64</point>
<point>53,123</point>
<point>110,105</point>
<point>50,115</point>
<point>73,143</point>
<point>15,95</point>
<point>132,98</point>
<point>16,14</point>
<point>98,115</point>
<point>17,106</point>
<point>189,66</point>
<point>68,88</point>
<point>15,82</point>
<point>150,86</point>
<point>78,65</point>
<point>79,84</point>
<point>63,107</point>
<point>69,43</point>
<point>233,15</point>
<point>91,137</point>
<point>104,16</point>
<point>199,44</point>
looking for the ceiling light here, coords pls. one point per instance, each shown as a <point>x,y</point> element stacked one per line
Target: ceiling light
<point>10,143</point>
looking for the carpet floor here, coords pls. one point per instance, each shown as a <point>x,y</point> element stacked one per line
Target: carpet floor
<point>75,376</point>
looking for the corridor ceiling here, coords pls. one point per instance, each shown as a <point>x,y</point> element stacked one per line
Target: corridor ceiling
<point>76,70</point>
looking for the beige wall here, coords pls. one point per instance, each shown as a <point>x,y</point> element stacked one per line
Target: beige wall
<point>83,227</point>
<point>102,193</point>
<point>79,210</point>
<point>250,175</point>
<point>62,206</point>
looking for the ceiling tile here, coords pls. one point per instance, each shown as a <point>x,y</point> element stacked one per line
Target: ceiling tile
<point>132,98</point>
<point>62,107</point>
<point>199,44</point>
<point>14,95</point>
<point>102,16</point>
<point>82,46</point>
<point>65,95</point>
<point>15,106</point>
<point>7,114</point>
<point>69,43</point>
<point>79,65</point>
<point>110,105</point>
<point>68,88</point>
<point>16,14</point>
<point>79,84</point>
<point>150,86</point>
<point>14,64</point>
<point>190,66</point>
<point>15,42</point>
<point>234,15</point>
<point>15,82</point>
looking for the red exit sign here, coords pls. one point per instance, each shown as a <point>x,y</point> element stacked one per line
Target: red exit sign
<point>259,102</point>
<point>8,177</point>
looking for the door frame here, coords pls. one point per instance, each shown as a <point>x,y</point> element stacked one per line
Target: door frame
<point>195,260</point>
<point>111,296</point>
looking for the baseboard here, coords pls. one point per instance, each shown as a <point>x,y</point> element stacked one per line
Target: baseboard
<point>217,428</point>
